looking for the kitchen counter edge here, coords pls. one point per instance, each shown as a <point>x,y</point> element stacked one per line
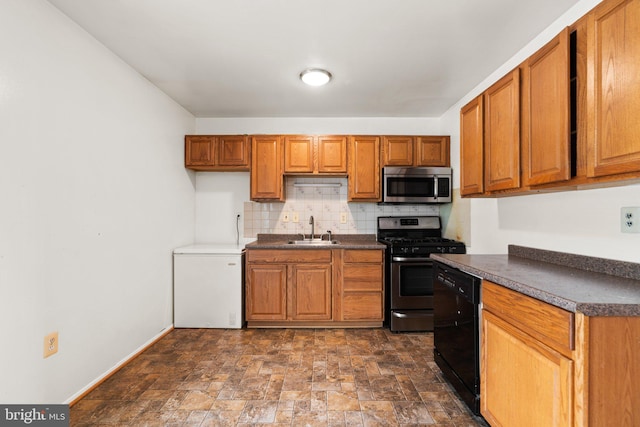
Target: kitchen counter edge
<point>566,287</point>
<point>345,241</point>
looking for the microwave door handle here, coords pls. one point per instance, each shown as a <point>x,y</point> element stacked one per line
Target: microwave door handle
<point>435,187</point>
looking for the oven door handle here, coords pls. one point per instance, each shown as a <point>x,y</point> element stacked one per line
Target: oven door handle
<point>410,259</point>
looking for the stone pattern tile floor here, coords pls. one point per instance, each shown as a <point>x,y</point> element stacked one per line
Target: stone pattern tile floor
<point>279,377</point>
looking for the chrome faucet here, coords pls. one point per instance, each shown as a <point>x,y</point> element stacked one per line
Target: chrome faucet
<point>312,226</point>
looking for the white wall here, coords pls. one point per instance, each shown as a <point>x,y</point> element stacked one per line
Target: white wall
<point>94,198</point>
<point>321,126</point>
<point>220,196</point>
<point>582,222</point>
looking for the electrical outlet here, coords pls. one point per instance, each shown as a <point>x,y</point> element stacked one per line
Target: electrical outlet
<point>285,217</point>
<point>50,344</point>
<point>295,217</point>
<point>630,220</point>
<point>343,217</point>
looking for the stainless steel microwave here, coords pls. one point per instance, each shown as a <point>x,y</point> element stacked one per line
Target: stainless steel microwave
<point>416,185</point>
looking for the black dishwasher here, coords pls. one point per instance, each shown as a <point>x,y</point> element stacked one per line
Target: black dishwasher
<point>456,297</point>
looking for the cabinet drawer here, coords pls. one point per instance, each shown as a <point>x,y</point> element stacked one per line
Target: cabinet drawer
<point>362,306</point>
<point>288,255</point>
<point>550,325</point>
<point>362,255</point>
<point>358,277</point>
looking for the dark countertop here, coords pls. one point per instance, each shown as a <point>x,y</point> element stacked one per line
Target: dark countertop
<point>345,241</point>
<point>567,281</point>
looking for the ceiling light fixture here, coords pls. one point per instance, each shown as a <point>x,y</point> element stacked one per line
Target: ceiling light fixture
<point>315,76</point>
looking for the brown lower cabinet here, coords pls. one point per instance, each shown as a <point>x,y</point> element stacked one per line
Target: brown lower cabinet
<point>314,287</point>
<point>541,365</point>
<point>361,290</point>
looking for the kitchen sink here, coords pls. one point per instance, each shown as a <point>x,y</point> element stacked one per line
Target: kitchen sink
<point>313,242</point>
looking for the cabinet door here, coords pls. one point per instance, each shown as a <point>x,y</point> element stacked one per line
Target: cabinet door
<point>364,169</point>
<point>233,152</point>
<point>397,151</point>
<point>298,154</point>
<point>432,151</point>
<point>613,49</point>
<point>472,147</point>
<point>546,128</point>
<point>266,168</point>
<point>332,154</point>
<point>310,289</point>
<point>199,150</point>
<point>524,383</point>
<point>614,371</point>
<point>502,133</point>
<point>266,292</point>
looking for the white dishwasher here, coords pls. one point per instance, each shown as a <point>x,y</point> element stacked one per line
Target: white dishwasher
<point>208,286</point>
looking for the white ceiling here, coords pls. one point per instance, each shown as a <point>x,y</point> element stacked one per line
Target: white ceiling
<point>242,58</point>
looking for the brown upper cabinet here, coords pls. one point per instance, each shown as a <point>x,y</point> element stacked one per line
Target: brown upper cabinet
<point>308,154</point>
<point>270,157</point>
<point>266,168</point>
<point>217,152</point>
<point>416,151</point>
<point>397,151</point>
<point>579,104</point>
<point>364,169</point>
<point>472,147</point>
<point>518,134</point>
<point>613,49</point>
<point>502,133</point>
<point>433,151</point>
<point>546,110</point>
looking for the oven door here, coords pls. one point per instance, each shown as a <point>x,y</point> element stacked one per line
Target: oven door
<point>411,283</point>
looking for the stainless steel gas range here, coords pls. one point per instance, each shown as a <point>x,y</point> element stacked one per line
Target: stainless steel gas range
<point>409,270</point>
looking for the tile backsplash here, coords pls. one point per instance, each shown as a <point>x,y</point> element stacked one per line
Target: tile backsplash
<point>326,204</point>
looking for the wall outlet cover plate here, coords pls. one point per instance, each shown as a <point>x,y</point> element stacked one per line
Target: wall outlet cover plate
<point>630,219</point>
<point>50,344</point>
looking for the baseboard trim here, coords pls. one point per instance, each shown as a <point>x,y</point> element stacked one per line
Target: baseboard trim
<point>102,378</point>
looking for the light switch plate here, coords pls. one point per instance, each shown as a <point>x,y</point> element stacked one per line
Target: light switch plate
<point>630,219</point>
